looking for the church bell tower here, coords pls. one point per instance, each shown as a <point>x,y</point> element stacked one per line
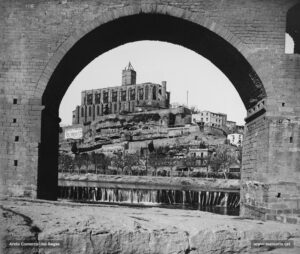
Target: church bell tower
<point>128,75</point>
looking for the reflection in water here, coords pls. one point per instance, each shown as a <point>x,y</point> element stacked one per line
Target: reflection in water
<point>210,201</point>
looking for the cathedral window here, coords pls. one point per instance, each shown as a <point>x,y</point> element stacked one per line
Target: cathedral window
<point>97,98</point>
<point>132,94</point>
<point>89,99</point>
<point>105,97</point>
<point>154,93</point>
<point>106,110</point>
<point>141,94</point>
<point>114,96</point>
<point>123,95</point>
<point>146,93</point>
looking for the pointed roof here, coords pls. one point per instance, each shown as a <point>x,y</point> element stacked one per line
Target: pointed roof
<point>129,67</point>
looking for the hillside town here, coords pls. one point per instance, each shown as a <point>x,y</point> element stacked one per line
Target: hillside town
<point>134,129</point>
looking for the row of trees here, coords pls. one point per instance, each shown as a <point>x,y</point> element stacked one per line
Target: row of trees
<point>83,162</point>
<point>217,161</point>
<point>97,163</point>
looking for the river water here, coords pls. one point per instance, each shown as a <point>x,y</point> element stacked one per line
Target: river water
<point>211,201</point>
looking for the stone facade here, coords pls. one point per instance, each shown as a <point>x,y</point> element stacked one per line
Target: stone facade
<point>128,98</point>
<point>231,125</point>
<point>45,44</point>
<point>235,139</point>
<point>210,118</point>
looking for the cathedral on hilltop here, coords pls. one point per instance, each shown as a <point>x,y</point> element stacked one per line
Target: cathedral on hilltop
<point>127,98</point>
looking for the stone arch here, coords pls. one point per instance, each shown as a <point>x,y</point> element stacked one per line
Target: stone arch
<point>201,19</point>
<point>150,22</point>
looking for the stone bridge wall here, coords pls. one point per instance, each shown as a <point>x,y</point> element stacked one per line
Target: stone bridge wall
<point>35,35</point>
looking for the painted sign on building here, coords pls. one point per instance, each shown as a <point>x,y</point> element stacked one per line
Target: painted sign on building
<point>73,133</point>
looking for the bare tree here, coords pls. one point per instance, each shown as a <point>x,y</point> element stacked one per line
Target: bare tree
<point>223,158</point>
<point>86,160</point>
<point>131,160</point>
<point>96,159</point>
<point>207,159</point>
<point>65,162</point>
<point>104,161</point>
<point>119,162</point>
<point>170,162</point>
<point>189,162</point>
<point>154,161</point>
<point>78,162</point>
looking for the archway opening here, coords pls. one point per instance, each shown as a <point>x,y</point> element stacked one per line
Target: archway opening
<point>192,80</point>
<point>293,30</point>
<point>289,44</point>
<point>118,32</point>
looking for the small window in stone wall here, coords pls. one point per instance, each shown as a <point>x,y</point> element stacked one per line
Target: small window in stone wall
<point>292,36</point>
<point>82,112</point>
<point>90,111</point>
<point>98,110</point>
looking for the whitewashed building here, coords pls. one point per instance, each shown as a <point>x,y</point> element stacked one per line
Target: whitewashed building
<point>210,118</point>
<point>235,139</point>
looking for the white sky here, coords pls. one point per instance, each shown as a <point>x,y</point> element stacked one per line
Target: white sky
<point>289,44</point>
<point>154,61</point>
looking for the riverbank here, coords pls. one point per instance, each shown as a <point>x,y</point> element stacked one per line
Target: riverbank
<point>113,229</point>
<point>149,182</point>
